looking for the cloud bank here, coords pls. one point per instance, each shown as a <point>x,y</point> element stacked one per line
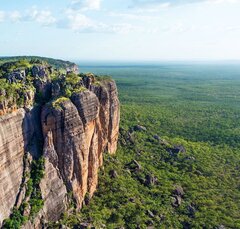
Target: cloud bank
<point>85,5</point>
<point>79,16</point>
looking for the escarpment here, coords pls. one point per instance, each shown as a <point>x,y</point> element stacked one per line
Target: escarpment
<point>55,125</point>
<point>12,132</point>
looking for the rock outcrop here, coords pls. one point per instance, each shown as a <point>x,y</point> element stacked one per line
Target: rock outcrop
<point>70,134</point>
<point>54,191</point>
<point>12,132</point>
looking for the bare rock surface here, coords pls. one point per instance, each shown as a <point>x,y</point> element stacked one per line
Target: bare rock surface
<point>70,144</point>
<point>81,133</point>
<point>52,186</point>
<point>13,128</point>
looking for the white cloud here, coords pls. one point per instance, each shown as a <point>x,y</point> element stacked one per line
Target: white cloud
<point>78,22</point>
<point>15,16</point>
<point>178,27</point>
<point>156,5</point>
<point>162,3</point>
<point>222,1</point>
<point>75,19</point>
<point>155,8</point>
<point>43,17</point>
<point>231,28</point>
<point>132,16</point>
<point>124,28</point>
<point>72,19</point>
<point>93,4</point>
<point>86,4</point>
<point>2,16</point>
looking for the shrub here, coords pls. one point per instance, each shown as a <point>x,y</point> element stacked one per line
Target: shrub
<point>16,219</point>
<point>57,104</point>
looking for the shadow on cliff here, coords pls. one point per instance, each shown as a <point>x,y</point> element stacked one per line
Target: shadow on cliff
<point>32,132</point>
<point>32,140</point>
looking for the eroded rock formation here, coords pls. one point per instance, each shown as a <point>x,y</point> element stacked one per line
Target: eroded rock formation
<point>12,131</point>
<point>71,134</point>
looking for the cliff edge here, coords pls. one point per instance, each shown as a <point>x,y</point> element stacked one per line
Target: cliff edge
<point>55,125</point>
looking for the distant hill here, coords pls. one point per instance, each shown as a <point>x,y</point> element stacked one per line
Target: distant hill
<point>53,62</point>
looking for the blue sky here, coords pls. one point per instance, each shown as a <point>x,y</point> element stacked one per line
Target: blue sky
<point>121,29</point>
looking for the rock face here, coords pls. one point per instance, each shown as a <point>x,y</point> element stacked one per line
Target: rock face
<point>16,75</point>
<point>80,135</point>
<point>53,190</point>
<point>109,113</point>
<point>12,131</point>
<point>9,105</point>
<point>74,135</point>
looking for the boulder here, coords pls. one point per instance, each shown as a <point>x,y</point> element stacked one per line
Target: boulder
<point>191,210</point>
<point>39,71</point>
<point>149,223</point>
<point>179,149</point>
<point>132,200</point>
<point>130,138</point>
<point>150,180</point>
<point>157,137</point>
<point>16,75</point>
<point>82,226</point>
<point>150,214</point>
<point>138,166</point>
<point>56,89</point>
<point>176,201</point>
<point>178,190</point>
<point>221,227</point>
<point>139,128</point>
<point>176,149</point>
<point>178,193</point>
<point>113,174</point>
<point>164,142</point>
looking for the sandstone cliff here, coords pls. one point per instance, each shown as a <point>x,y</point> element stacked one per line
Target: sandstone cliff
<point>51,151</point>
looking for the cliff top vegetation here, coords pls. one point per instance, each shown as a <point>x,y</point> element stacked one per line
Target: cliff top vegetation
<point>28,80</point>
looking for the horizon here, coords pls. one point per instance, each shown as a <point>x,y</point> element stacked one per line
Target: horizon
<point>137,62</point>
<point>127,30</point>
